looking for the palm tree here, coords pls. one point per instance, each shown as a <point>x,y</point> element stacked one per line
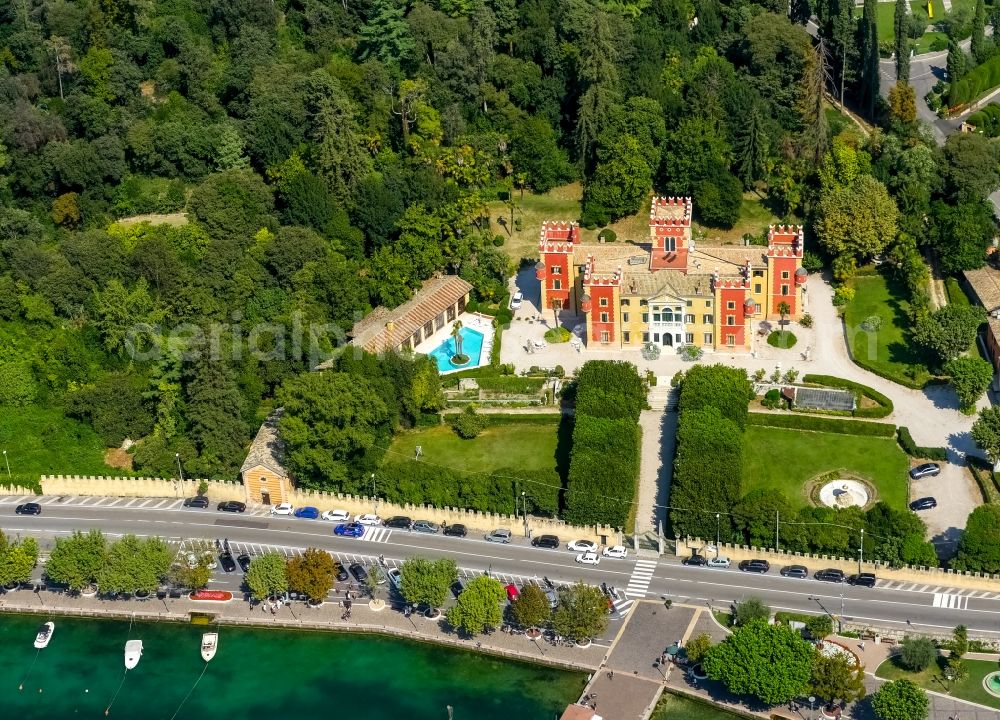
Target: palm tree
<point>456,332</point>
<point>784,309</point>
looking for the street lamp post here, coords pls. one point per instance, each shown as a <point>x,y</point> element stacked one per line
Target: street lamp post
<point>180,471</point>
<point>718,526</point>
<point>374,499</point>
<point>7,463</point>
<point>861,556</point>
<point>524,512</point>
<point>812,705</point>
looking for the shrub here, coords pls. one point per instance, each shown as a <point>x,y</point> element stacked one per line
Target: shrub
<point>607,235</point>
<point>822,424</point>
<point>913,450</point>
<point>651,351</point>
<point>782,339</point>
<point>749,610</point>
<point>806,321</point>
<point>697,647</point>
<point>558,335</point>
<point>843,295</point>
<point>498,241</point>
<point>872,323</point>
<point>819,626</point>
<point>772,399</point>
<point>812,261</point>
<point>469,424</point>
<point>511,384</point>
<point>917,653</point>
<point>690,352</point>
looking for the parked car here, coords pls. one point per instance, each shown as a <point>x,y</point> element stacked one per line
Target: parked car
<point>500,535</point>
<point>924,503</point>
<point>336,515</point>
<point>199,501</point>
<point>244,560</point>
<point>795,571</point>
<point>863,579</point>
<point>583,546</point>
<point>512,592</point>
<point>228,564</point>
<point>396,578</point>
<point>457,588</point>
<point>349,530</point>
<point>830,575</point>
<point>359,573</point>
<point>615,551</point>
<point>231,506</point>
<point>696,560</point>
<point>456,530</point>
<point>757,566</point>
<point>30,508</point>
<point>720,562</point>
<point>553,597</point>
<point>516,299</point>
<point>925,470</point>
<point>307,513</point>
<point>546,541</point>
<point>588,558</point>
<point>282,509</point>
<point>341,574</point>
<point>368,519</point>
<point>425,526</point>
<point>400,522</point>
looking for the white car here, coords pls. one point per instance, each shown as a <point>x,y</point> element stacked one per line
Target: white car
<point>720,562</point>
<point>336,515</point>
<point>368,520</point>
<point>500,535</point>
<point>617,551</point>
<point>396,578</point>
<point>584,546</point>
<point>588,558</point>
<point>282,509</point>
<point>516,300</point>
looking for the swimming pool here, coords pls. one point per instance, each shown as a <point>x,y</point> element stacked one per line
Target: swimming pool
<point>472,345</point>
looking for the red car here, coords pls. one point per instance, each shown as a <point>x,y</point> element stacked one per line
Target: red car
<point>512,592</point>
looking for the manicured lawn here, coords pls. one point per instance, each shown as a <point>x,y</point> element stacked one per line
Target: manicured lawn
<point>786,459</point>
<point>888,351</point>
<point>926,43</point>
<point>677,707</point>
<point>528,447</point>
<point>971,688</point>
<point>561,203</point>
<point>41,440</point>
<point>755,216</point>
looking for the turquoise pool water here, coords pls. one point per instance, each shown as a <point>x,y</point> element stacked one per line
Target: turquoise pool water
<point>472,345</point>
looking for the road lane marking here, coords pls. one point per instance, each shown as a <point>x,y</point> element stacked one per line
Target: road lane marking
<point>951,601</point>
<point>642,575</point>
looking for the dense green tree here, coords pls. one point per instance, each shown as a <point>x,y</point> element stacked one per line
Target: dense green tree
<point>949,331</point>
<point>266,576</point>
<point>134,564</point>
<point>536,153</point>
<point>619,184</point>
<point>694,150</point>
<point>339,156</point>
<point>970,376</point>
<point>531,608</point>
<point>958,63</point>
<point>900,700</point>
<point>77,560</point>
<point>479,607</point>
<point>970,167</point>
<point>749,610</point>
<point>17,559</point>
<point>751,147</point>
<point>18,387</point>
<point>868,43</point>
<point>979,547</point>
<point>582,612</point>
<point>770,662</point>
<point>857,221</point>
<point>599,81</point>
<point>916,653</point>
<point>233,205</point>
<point>385,35</point>
<point>902,42</point>
<point>427,582</point>
<point>215,410</point>
<point>961,233</point>
<point>982,47</point>
<point>837,678</point>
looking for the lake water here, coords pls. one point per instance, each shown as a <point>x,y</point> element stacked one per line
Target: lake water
<point>257,672</point>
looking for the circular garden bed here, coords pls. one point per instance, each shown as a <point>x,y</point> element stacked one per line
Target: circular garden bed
<point>781,339</point>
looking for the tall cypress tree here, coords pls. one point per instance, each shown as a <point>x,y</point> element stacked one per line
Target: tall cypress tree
<point>902,43</point>
<point>868,29</point>
<point>958,62</point>
<point>980,46</point>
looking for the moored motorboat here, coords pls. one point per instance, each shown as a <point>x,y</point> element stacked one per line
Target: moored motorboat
<point>209,644</point>
<point>44,635</point>
<point>133,651</point>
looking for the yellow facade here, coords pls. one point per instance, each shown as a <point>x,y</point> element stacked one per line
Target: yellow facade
<point>264,486</point>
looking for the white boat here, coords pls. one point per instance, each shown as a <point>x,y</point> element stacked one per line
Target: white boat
<point>133,651</point>
<point>44,635</point>
<point>209,644</point>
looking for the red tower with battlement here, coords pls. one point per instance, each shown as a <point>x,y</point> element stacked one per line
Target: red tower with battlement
<point>555,269</point>
<point>670,233</point>
<point>601,302</point>
<point>785,273</point>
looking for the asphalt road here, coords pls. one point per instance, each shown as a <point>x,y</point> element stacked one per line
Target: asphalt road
<point>929,608</point>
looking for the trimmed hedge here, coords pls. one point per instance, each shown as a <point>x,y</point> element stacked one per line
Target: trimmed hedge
<point>885,404</point>
<point>981,79</point>
<point>822,424</point>
<point>985,479</point>
<point>511,418</point>
<point>511,384</point>
<point>914,450</point>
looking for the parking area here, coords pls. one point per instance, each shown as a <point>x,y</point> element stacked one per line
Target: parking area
<point>957,495</point>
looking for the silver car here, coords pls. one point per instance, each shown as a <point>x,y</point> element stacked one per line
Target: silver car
<point>425,526</point>
<point>500,535</point>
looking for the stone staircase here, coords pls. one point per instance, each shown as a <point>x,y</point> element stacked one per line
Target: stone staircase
<point>662,397</point>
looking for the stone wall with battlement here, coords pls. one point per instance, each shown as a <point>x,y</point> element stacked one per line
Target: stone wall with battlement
<point>908,574</point>
<point>218,491</point>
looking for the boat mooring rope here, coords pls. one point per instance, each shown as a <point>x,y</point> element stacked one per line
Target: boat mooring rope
<point>203,671</point>
<point>30,668</point>
<point>114,697</point>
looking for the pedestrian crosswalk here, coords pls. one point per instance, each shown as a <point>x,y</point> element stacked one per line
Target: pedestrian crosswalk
<point>642,575</point>
<point>948,600</point>
<point>376,534</point>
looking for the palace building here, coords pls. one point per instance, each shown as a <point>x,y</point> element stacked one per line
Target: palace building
<point>667,291</point>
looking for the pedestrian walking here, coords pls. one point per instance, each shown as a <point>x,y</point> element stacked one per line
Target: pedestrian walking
<point>862,645</point>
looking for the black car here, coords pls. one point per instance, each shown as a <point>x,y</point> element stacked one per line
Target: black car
<point>546,541</point>
<point>244,561</point>
<point>795,571</point>
<point>359,572</point>
<point>199,501</point>
<point>399,521</point>
<point>228,564</point>
<point>695,560</point>
<point>457,587</point>
<point>830,575</point>
<point>757,566</point>
<point>925,503</point>
<point>456,530</point>
<point>925,470</point>
<point>232,506</point>
<point>863,579</point>
<point>341,574</point>
<point>28,509</point>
